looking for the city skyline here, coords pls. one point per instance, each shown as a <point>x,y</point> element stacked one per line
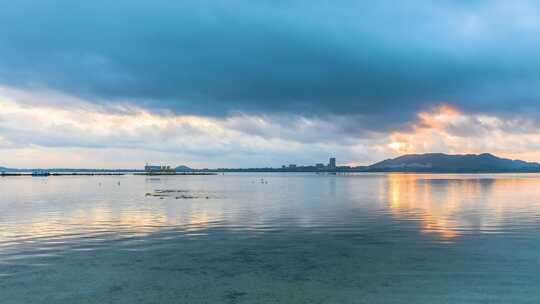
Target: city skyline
<point>246,84</point>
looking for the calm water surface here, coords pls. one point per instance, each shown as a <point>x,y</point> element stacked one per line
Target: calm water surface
<point>290,238</point>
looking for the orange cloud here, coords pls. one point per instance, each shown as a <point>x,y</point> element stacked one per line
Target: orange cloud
<point>447,129</point>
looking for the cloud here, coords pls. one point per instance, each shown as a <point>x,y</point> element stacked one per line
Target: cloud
<point>244,83</point>
<point>379,62</point>
<point>79,133</point>
<point>240,140</point>
<point>450,130</point>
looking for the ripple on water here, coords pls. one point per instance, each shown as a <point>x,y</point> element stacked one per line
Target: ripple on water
<point>299,238</point>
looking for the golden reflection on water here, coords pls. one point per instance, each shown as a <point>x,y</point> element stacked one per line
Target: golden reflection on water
<point>408,197</point>
<point>450,205</point>
<point>104,218</point>
<point>446,205</point>
<point>101,219</point>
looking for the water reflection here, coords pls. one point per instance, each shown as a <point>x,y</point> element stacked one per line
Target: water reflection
<point>453,205</point>
<point>448,206</point>
<point>300,238</point>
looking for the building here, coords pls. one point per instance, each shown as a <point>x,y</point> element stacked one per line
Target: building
<point>292,166</point>
<point>156,169</point>
<point>332,163</point>
<point>40,172</point>
<point>319,166</point>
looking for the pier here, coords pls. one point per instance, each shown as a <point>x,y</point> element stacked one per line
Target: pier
<point>29,174</point>
<point>6,174</point>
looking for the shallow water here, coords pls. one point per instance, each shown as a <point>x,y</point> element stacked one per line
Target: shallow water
<point>290,238</point>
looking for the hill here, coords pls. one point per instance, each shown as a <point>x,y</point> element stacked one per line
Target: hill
<point>183,169</point>
<point>439,162</point>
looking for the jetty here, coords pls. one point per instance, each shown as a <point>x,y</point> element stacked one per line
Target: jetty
<point>6,174</point>
<point>173,173</point>
<point>29,174</point>
<point>149,170</point>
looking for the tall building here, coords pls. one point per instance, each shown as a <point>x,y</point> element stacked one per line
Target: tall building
<point>332,163</point>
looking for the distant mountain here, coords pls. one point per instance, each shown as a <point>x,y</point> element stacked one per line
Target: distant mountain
<point>183,169</point>
<point>439,162</point>
<point>3,169</point>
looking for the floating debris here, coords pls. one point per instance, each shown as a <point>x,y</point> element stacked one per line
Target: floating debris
<point>170,191</point>
<point>185,197</point>
<point>178,194</point>
<point>156,195</point>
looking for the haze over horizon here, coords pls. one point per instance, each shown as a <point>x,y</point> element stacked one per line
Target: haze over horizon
<point>253,84</point>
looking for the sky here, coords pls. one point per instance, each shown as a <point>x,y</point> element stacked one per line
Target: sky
<point>116,84</point>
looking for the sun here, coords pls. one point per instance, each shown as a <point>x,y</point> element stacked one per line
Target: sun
<point>396,146</point>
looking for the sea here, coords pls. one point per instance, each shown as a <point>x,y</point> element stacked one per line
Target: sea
<point>271,238</point>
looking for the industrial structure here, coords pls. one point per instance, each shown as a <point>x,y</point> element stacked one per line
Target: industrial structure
<point>158,169</point>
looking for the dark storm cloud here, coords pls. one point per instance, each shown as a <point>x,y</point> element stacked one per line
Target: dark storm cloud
<point>382,61</point>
